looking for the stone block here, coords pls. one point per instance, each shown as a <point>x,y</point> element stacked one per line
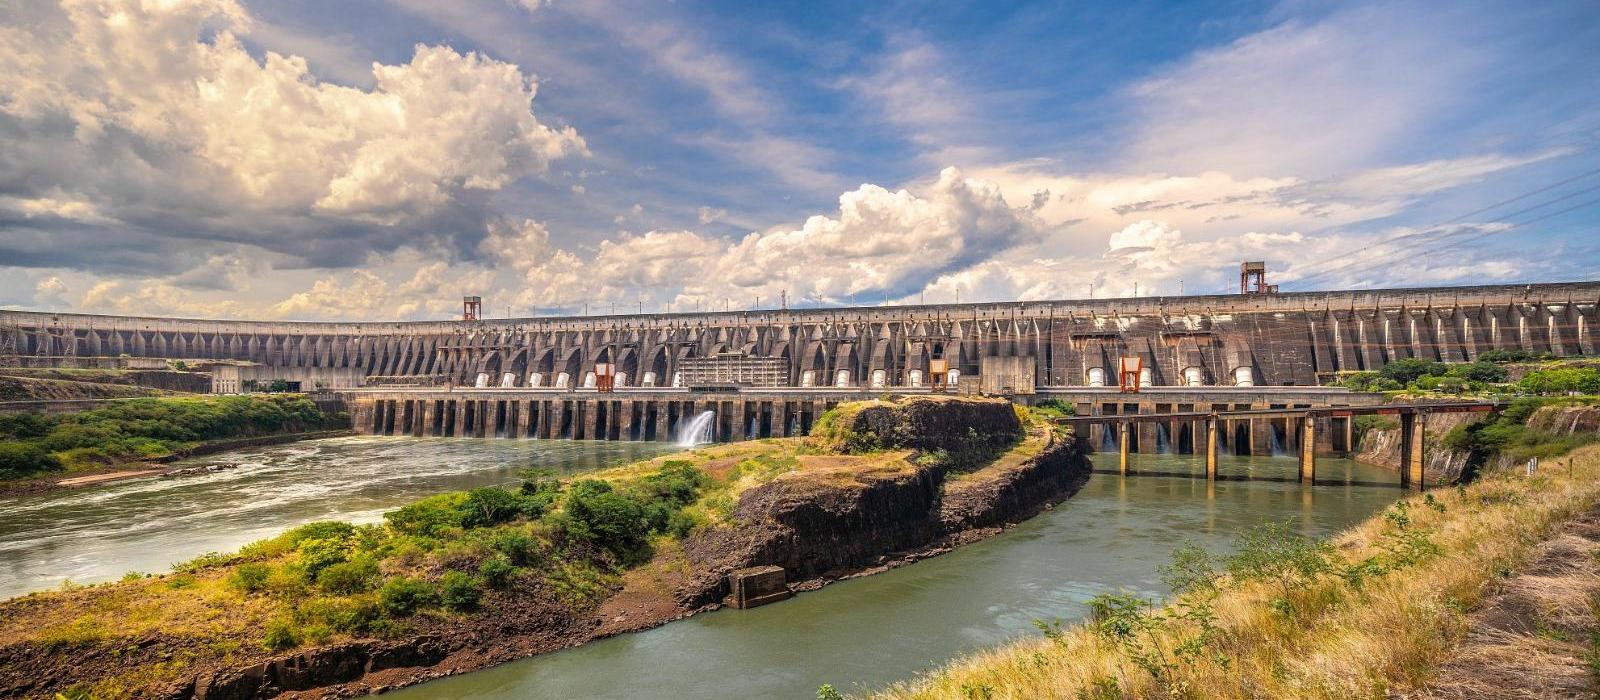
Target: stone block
<point>757,585</point>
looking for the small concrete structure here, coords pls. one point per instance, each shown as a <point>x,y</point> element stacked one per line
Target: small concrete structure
<point>757,585</point>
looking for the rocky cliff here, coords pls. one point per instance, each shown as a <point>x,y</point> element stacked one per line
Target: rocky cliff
<point>828,520</point>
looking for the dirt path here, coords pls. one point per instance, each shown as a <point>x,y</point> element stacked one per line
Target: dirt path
<point>1535,637</point>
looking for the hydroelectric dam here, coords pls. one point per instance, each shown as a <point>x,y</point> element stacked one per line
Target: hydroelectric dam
<point>771,372</point>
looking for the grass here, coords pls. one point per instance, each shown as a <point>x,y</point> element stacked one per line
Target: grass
<point>1372,624</point>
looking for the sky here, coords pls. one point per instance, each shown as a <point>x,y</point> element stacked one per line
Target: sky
<point>380,159</point>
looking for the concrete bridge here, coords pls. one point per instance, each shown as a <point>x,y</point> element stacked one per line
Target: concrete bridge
<point>1307,425</point>
<point>657,414</point>
<point>1014,347</point>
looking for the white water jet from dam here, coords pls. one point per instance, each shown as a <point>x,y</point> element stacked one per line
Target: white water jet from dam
<point>697,431</point>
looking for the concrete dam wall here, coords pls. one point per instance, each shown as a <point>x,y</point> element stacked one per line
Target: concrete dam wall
<point>1222,340</point>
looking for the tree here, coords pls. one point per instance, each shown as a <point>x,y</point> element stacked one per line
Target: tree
<point>1410,369</point>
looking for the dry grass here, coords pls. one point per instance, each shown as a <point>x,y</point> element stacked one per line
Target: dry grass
<point>200,606</point>
<point>1388,637</point>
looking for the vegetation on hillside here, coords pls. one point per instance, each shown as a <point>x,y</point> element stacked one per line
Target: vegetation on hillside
<point>144,429</point>
<point>1509,434</point>
<point>1487,374</point>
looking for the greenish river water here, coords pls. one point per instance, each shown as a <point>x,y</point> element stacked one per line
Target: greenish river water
<point>858,635</point>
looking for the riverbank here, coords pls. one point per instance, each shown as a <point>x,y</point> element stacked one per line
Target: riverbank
<point>1379,610</point>
<point>878,504</point>
<point>45,483</point>
<point>37,451</point>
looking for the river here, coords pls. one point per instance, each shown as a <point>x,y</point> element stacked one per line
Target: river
<point>857,635</point>
<point>101,533</point>
<point>865,633</point>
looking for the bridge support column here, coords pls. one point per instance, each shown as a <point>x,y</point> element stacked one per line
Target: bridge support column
<point>780,419</point>
<point>1122,448</point>
<point>1308,449</point>
<point>591,420</point>
<point>1412,427</point>
<point>1212,429</point>
<point>459,429</point>
<point>625,420</point>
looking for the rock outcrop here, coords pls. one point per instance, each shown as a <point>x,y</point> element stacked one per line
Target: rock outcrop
<point>824,523</point>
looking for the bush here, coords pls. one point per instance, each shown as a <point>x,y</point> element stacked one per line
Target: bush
<point>1583,380</point>
<point>459,591</point>
<point>351,616</point>
<point>348,577</point>
<point>598,513</point>
<point>491,506</point>
<point>515,545</point>
<point>317,554</point>
<point>25,426</point>
<point>1368,381</point>
<point>250,577</point>
<point>497,571</point>
<point>1504,356</point>
<point>430,515</point>
<point>19,459</point>
<point>1410,369</point>
<point>1480,371</point>
<point>280,635</point>
<point>403,596</point>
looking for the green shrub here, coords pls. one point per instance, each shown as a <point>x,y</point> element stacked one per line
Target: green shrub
<point>1368,381</point>
<point>677,483</point>
<point>348,577</point>
<point>1504,356</point>
<point>1054,408</point>
<point>18,459</point>
<point>431,515</point>
<point>497,571</point>
<point>684,523</point>
<point>516,546</point>
<point>487,506</point>
<point>1410,369</point>
<point>317,554</point>
<point>280,634</point>
<point>250,577</point>
<point>288,581</point>
<point>459,591</point>
<point>598,513</point>
<point>1583,380</point>
<point>1480,371</point>
<point>25,426</point>
<point>403,596</point>
<point>348,615</point>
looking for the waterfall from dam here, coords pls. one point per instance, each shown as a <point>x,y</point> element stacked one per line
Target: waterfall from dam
<point>697,431</point>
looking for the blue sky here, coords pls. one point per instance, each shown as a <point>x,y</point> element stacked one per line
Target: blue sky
<point>683,155</point>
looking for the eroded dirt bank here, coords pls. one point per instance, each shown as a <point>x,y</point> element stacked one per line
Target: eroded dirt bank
<point>918,479</point>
